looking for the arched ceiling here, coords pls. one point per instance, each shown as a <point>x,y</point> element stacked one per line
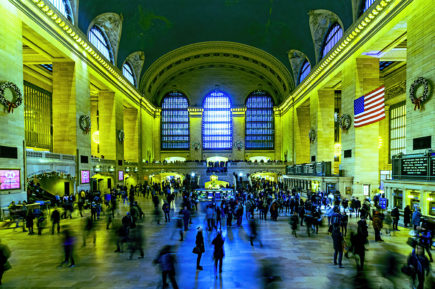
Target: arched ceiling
<point>158,27</point>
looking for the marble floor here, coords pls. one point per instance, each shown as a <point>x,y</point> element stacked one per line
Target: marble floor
<point>303,262</point>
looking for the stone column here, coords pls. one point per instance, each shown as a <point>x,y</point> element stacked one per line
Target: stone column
<point>157,136</point>
<point>302,128</point>
<point>94,128</point>
<point>12,124</point>
<point>108,133</point>
<point>238,133</point>
<point>360,76</point>
<point>147,136</point>
<point>131,135</point>
<point>278,135</point>
<point>65,119</point>
<point>322,121</point>
<point>195,125</point>
<point>420,63</point>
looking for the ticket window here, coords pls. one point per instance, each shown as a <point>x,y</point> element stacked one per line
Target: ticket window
<point>398,199</point>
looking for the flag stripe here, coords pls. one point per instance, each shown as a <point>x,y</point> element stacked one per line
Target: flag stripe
<point>371,121</point>
<point>369,108</point>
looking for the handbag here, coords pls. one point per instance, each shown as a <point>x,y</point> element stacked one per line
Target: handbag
<point>196,250</point>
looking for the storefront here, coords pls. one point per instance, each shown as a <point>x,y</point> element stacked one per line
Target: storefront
<point>415,194</point>
<point>322,184</point>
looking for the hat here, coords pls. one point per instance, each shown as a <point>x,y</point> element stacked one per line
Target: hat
<point>199,228</point>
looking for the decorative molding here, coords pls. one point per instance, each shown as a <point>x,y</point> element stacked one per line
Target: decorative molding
<point>213,52</point>
<point>296,59</point>
<point>320,22</point>
<point>136,60</point>
<point>395,90</point>
<point>373,20</point>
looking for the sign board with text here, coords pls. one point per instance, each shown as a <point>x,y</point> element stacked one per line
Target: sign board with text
<point>10,179</point>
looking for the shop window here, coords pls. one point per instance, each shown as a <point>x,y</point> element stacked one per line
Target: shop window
<point>332,37</point>
<point>259,121</point>
<point>217,125</point>
<point>398,199</point>
<point>397,129</point>
<point>175,122</point>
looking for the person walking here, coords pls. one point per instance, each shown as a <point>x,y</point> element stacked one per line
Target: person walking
<point>407,216</point>
<point>55,220</point>
<point>337,241</point>
<point>200,249</point>
<point>416,218</point>
<point>29,221</point>
<point>377,225</point>
<point>68,247</point>
<point>419,265</point>
<point>343,223</point>
<point>166,210</point>
<point>395,215</point>
<point>218,254</point>
<point>294,222</point>
<point>388,221</point>
<point>166,260</point>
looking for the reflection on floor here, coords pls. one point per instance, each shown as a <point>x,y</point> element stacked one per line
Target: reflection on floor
<point>296,263</point>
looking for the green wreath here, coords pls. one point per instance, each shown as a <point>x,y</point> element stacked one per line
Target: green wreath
<point>18,97</point>
<point>85,123</point>
<point>418,101</point>
<point>121,135</point>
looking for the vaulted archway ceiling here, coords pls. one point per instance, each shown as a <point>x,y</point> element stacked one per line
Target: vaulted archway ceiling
<point>158,27</point>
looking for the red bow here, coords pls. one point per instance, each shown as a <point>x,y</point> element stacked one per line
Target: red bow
<point>11,107</point>
<point>417,103</point>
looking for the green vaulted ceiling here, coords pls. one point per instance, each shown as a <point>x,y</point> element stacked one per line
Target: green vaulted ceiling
<point>160,26</point>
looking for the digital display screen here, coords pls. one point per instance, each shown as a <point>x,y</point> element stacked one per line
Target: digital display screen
<point>10,179</point>
<point>85,177</point>
<point>120,175</point>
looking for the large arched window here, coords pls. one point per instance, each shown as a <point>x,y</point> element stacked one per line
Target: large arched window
<point>367,4</point>
<point>259,121</point>
<point>175,122</point>
<point>217,126</point>
<point>127,71</point>
<point>305,70</point>
<point>100,41</point>
<point>64,7</point>
<point>332,37</point>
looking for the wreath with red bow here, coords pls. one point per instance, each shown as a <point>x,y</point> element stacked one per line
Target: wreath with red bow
<point>418,101</point>
<point>17,99</point>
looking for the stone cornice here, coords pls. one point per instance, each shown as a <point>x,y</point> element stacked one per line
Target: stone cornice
<point>53,22</point>
<point>373,20</point>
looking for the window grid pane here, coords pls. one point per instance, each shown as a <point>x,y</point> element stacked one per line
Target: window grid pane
<point>305,70</point>
<point>37,116</point>
<point>367,4</point>
<point>175,122</point>
<point>398,129</point>
<point>127,71</point>
<point>63,8</point>
<point>217,126</point>
<point>259,121</point>
<point>97,38</point>
<point>334,35</point>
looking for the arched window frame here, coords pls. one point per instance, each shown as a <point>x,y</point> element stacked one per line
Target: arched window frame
<point>366,5</point>
<point>223,139</point>
<point>64,7</point>
<point>260,122</point>
<point>175,133</point>
<point>335,33</point>
<point>128,72</point>
<point>99,39</point>
<point>304,71</point>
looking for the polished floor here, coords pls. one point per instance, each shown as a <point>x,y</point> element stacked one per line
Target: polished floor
<point>303,262</point>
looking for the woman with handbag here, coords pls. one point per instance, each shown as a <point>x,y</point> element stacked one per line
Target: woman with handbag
<point>199,248</point>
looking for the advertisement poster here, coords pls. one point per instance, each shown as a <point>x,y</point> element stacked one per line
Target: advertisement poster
<point>120,175</point>
<point>85,177</point>
<point>10,179</point>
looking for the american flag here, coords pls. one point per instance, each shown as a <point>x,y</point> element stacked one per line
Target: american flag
<point>369,108</point>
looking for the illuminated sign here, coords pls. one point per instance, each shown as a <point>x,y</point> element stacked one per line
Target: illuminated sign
<point>120,175</point>
<point>85,177</point>
<point>10,179</point>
